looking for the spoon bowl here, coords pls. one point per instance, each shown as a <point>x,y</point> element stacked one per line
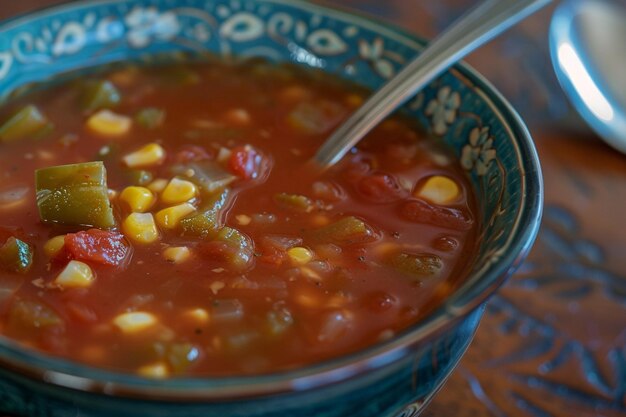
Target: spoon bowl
<point>589,56</point>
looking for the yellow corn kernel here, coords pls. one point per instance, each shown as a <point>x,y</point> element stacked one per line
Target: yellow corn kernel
<point>300,255</point>
<point>53,246</point>
<point>177,255</point>
<point>139,199</point>
<point>178,191</point>
<point>75,275</point>
<point>157,185</point>
<point>197,315</point>
<point>170,217</point>
<point>157,370</point>
<point>134,321</point>
<point>107,123</point>
<point>149,155</point>
<point>439,190</point>
<point>243,219</point>
<point>140,227</point>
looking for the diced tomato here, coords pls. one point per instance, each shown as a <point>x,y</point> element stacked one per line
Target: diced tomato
<point>272,256</point>
<point>192,153</point>
<point>246,162</point>
<point>419,211</point>
<point>380,188</point>
<point>99,246</point>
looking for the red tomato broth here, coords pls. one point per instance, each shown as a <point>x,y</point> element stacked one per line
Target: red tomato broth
<point>271,315</point>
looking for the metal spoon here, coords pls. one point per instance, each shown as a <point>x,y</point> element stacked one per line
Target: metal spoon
<point>589,55</point>
<point>479,25</point>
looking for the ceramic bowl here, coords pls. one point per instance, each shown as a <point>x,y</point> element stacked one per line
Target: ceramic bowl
<point>394,378</point>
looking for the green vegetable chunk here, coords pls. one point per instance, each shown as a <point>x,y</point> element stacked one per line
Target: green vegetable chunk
<point>421,265</point>
<point>139,177</point>
<point>294,202</point>
<point>241,255</point>
<point>27,122</point>
<point>26,315</point>
<point>207,223</point>
<point>150,117</point>
<point>16,256</point>
<point>98,95</point>
<point>75,195</point>
<point>346,231</point>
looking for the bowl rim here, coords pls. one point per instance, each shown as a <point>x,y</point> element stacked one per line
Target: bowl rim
<point>466,299</point>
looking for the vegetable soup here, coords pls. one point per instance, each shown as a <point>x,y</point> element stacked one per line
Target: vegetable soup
<point>162,221</point>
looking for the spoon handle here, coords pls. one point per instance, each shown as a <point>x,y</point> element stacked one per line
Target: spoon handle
<point>479,25</point>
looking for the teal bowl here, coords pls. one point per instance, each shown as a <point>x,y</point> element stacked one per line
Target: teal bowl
<point>391,379</point>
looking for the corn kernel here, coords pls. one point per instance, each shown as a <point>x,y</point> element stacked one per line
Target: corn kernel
<point>151,154</point>
<point>170,217</point>
<point>157,185</point>
<point>140,227</point>
<point>139,199</point>
<point>54,246</point>
<point>439,190</point>
<point>243,219</point>
<point>300,255</point>
<point>157,370</point>
<point>197,315</point>
<point>75,275</point>
<point>107,123</point>
<point>134,321</point>
<point>177,254</point>
<point>178,191</point>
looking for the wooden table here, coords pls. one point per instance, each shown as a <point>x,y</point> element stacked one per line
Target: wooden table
<point>553,341</point>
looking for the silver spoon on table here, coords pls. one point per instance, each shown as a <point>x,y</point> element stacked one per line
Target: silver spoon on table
<point>479,25</point>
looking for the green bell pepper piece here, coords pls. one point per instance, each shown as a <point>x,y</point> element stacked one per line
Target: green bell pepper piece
<point>26,122</point>
<point>16,256</point>
<point>150,117</point>
<point>294,202</point>
<point>421,265</point>
<point>139,177</point>
<point>98,95</point>
<point>348,230</point>
<point>75,195</point>
<point>242,253</point>
<point>207,223</point>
